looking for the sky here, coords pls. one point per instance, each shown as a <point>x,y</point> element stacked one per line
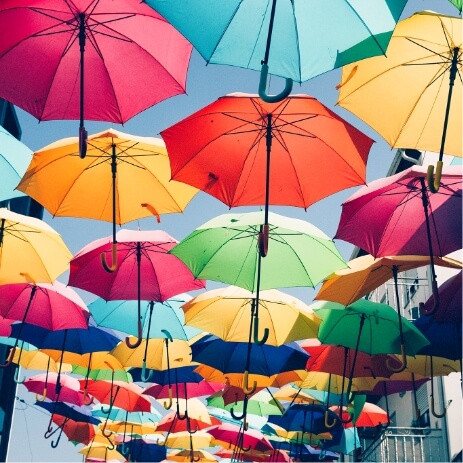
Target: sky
<point>204,85</point>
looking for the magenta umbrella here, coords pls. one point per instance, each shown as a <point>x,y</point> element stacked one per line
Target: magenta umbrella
<point>145,270</point>
<point>50,306</point>
<point>398,215</point>
<point>121,53</point>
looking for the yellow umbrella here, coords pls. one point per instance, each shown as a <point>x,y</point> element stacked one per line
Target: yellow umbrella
<point>91,361</point>
<point>367,273</point>
<point>128,428</point>
<point>99,451</point>
<point>421,71</point>
<point>191,455</point>
<point>421,365</point>
<point>291,394</point>
<point>122,178</point>
<point>30,250</point>
<point>227,312</point>
<point>184,439</point>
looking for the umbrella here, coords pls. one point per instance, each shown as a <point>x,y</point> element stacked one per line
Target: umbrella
<point>367,273</point>
<point>119,414</point>
<point>188,456</point>
<point>398,216</point>
<point>133,171</point>
<point>424,55</point>
<point>181,440</point>
<point>368,327</point>
<point>226,249</point>
<point>14,159</point>
<point>75,431</point>
<point>101,452</point>
<point>50,306</point>
<point>308,39</point>
<point>226,312</point>
<point>371,416</point>
<point>31,251</point>
<point>450,297</point>
<point>143,270</point>
<point>59,38</point>
<point>283,154</point>
<point>345,441</point>
<point>144,450</point>
<point>171,423</point>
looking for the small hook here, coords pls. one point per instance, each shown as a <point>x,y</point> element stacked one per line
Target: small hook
<point>263,84</point>
<point>327,423</point>
<point>246,389</point>
<point>168,405</point>
<point>10,358</point>
<point>85,396</point>
<point>139,339</point>
<point>433,309</point>
<point>403,363</point>
<point>113,267</point>
<point>258,341</point>
<point>44,395</point>
<point>16,377</point>
<point>54,444</point>
<point>433,409</point>
<point>145,377</point>
<point>434,181</point>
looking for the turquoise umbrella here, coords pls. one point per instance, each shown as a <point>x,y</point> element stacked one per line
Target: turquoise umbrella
<point>295,39</point>
<point>14,159</point>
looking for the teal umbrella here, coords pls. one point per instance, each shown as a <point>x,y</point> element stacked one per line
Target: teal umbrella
<point>233,249</point>
<point>14,159</point>
<point>295,39</point>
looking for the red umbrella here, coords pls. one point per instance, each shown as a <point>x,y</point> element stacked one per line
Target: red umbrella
<point>130,57</point>
<point>145,269</point>
<point>294,153</point>
<point>371,416</point>
<point>172,424</point>
<point>76,431</point>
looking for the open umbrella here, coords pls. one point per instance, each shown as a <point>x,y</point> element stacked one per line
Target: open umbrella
<point>133,171</point>
<point>397,215</point>
<point>424,55</point>
<point>30,250</point>
<point>144,450</point>
<point>64,43</point>
<point>296,40</point>
<point>143,270</point>
<point>226,312</point>
<point>14,159</point>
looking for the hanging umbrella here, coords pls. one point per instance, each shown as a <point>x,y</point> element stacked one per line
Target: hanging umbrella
<point>31,251</point>
<point>183,390</point>
<point>367,273</point>
<point>144,450</point>
<point>182,374</point>
<point>294,40</point>
<point>424,55</point>
<point>101,452</point>
<point>64,43</point>
<point>397,215</point>
<point>119,414</point>
<point>188,456</point>
<point>450,297</point>
<point>133,171</point>
<point>180,440</point>
<point>14,159</point>
<point>75,431</point>
<point>226,249</point>
<point>226,312</point>
<point>143,270</point>
<point>285,154</point>
<point>171,423</point>
<point>345,441</point>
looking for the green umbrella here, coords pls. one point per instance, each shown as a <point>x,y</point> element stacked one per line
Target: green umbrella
<point>368,327</point>
<point>226,249</point>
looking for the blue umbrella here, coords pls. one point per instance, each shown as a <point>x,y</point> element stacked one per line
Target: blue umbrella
<point>185,374</point>
<point>14,159</point>
<point>304,452</point>
<point>345,440</point>
<point>143,450</point>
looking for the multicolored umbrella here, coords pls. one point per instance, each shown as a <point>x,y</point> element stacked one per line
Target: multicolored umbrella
<point>65,43</point>
<point>31,251</point>
<point>294,40</point>
<point>424,55</point>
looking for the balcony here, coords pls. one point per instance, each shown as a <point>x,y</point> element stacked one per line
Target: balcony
<point>407,445</point>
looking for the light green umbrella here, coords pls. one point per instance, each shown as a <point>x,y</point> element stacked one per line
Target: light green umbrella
<point>235,249</point>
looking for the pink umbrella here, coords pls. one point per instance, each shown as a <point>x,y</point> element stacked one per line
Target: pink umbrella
<point>183,390</point>
<point>50,306</point>
<point>145,270</point>
<point>134,57</point>
<point>397,215</point>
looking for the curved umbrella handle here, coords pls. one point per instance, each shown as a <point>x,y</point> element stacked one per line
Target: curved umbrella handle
<point>263,84</point>
<point>153,211</point>
<point>145,377</point>
<point>124,449</point>
<point>113,267</point>
<point>85,396</point>
<point>402,366</point>
<point>327,423</point>
<point>246,389</point>
<point>434,180</point>
<point>16,377</point>
<point>195,458</point>
<point>54,444</point>
<point>188,425</point>
<point>258,341</point>
<point>139,339</point>
<point>44,395</point>
<point>9,359</point>
<point>433,409</point>
<point>435,293</point>
<point>107,435</point>
<point>83,135</point>
<point>237,417</point>
<point>180,417</point>
<point>262,240</point>
<point>168,405</point>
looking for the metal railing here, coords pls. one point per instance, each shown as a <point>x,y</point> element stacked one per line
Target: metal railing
<point>407,445</point>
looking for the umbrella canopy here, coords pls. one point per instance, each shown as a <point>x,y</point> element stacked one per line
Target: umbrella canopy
<point>30,250</point>
<point>225,249</point>
<point>184,439</point>
<point>294,153</point>
<point>171,423</point>
<point>133,170</point>
<point>371,416</point>
<point>191,455</point>
<point>305,43</point>
<point>73,412</point>
<point>14,159</point>
<point>51,306</point>
<point>420,56</point>
<point>367,273</point>
<point>75,431</point>
<point>64,43</point>
<point>226,312</point>
<point>183,390</point>
<point>369,327</point>
<point>144,450</point>
<point>119,414</point>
